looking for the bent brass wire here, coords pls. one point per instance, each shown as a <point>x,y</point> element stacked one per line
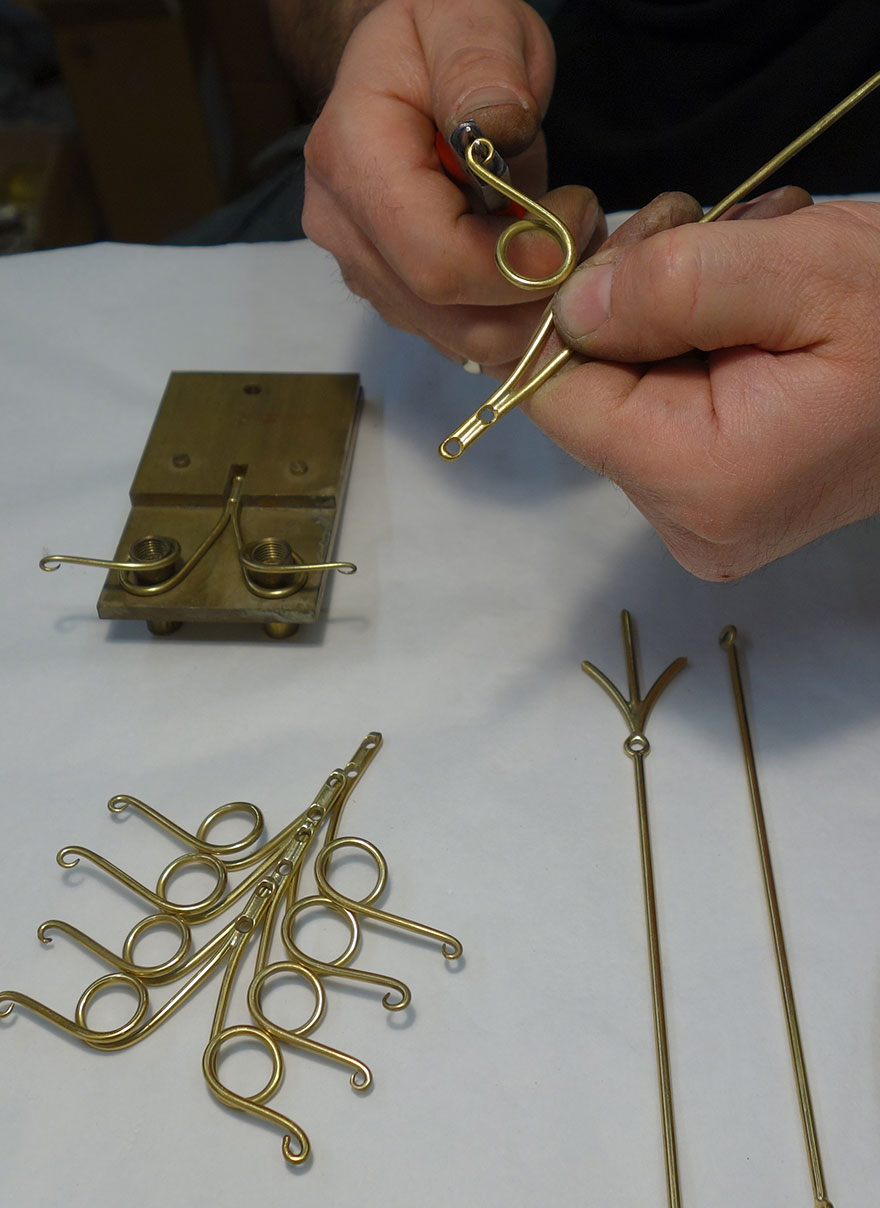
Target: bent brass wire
<point>518,386</point>
<point>165,549</point>
<point>141,575</point>
<point>272,570</point>
<point>479,155</point>
<point>338,967</point>
<point>361,1077</point>
<point>129,571</point>
<point>266,918</point>
<point>635,712</point>
<point>449,945</point>
<point>125,964</point>
<point>122,802</point>
<point>727,641</point>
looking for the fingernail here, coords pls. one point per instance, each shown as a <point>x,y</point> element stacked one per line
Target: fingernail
<point>583,304</point>
<point>488,98</point>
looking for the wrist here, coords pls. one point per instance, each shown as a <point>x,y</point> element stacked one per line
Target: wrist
<point>310,38</point>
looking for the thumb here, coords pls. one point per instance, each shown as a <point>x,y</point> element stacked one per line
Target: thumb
<point>492,62</point>
<point>695,286</point>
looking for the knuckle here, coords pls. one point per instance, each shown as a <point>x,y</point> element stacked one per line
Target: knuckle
<point>674,270</point>
<point>714,563</point>
<point>721,523</point>
<point>315,227</point>
<point>316,220</point>
<point>311,220</point>
<point>316,151</point>
<point>726,536</point>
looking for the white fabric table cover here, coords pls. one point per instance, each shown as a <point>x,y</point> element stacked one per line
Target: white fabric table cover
<point>502,798</point>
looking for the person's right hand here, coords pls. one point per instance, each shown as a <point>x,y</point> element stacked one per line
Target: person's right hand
<point>378,199</point>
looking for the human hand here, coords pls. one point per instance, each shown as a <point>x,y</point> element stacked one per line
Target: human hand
<point>736,399</point>
<point>377,197</point>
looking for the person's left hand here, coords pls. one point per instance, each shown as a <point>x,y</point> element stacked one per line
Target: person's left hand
<point>737,395</point>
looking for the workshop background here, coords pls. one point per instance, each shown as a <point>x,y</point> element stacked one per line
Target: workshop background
<point>104,102</point>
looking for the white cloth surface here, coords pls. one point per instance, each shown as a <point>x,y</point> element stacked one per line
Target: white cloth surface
<point>502,798</point>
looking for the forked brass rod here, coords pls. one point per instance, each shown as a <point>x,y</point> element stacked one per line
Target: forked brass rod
<point>635,712</point>
<point>727,640</point>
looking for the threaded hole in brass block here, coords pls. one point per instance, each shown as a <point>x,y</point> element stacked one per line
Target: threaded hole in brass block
<point>151,549</point>
<point>271,551</point>
<point>163,550</point>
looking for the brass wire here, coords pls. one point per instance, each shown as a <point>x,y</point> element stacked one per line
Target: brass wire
<point>449,945</point>
<point>727,641</point>
<point>230,514</point>
<point>337,967</point>
<point>361,1077</point>
<point>122,801</point>
<point>69,857</point>
<point>147,973</point>
<point>636,710</point>
<point>269,912</point>
<point>478,154</point>
<point>514,390</point>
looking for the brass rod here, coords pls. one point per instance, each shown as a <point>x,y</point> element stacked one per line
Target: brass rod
<point>673,1188</point>
<point>727,640</point>
<point>632,672</point>
<point>635,711</point>
<point>796,145</point>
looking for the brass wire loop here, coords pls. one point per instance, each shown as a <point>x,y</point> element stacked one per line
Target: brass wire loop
<point>635,710</point>
<point>269,567</point>
<point>271,906</point>
<point>727,641</point>
<point>518,386</point>
<point>478,154</point>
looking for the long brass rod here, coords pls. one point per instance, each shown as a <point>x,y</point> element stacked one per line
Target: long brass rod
<point>727,640</point>
<point>673,1188</point>
<point>796,145</point>
<point>635,712</point>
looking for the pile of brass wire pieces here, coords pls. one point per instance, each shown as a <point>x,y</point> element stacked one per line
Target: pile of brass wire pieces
<point>273,902</point>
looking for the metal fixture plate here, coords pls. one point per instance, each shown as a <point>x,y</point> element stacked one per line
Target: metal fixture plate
<point>292,435</point>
